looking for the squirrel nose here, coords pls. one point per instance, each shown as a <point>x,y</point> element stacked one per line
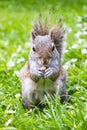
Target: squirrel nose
<point>44,61</point>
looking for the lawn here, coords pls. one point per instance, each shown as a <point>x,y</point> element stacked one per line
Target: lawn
<point>16,19</point>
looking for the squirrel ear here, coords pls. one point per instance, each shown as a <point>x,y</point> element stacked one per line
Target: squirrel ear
<point>33,35</point>
<point>51,35</point>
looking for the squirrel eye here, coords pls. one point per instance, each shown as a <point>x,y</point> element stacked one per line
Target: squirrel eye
<point>33,49</point>
<point>53,48</point>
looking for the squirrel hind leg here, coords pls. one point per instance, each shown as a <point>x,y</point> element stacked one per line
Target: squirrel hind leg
<point>63,97</point>
<point>26,103</point>
<point>61,85</point>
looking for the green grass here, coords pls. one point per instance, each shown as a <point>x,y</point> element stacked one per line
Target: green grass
<point>16,18</point>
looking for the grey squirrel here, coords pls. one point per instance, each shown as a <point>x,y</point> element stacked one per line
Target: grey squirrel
<point>43,72</point>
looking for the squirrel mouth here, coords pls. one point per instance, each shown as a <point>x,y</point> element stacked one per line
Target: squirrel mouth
<point>43,68</point>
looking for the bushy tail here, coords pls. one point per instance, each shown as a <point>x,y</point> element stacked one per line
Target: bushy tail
<point>57,35</point>
<point>42,28</point>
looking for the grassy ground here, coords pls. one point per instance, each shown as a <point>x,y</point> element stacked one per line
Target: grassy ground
<point>16,19</point>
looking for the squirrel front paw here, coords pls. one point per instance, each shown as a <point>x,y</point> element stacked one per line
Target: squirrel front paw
<point>36,74</point>
<point>48,72</point>
<point>39,73</point>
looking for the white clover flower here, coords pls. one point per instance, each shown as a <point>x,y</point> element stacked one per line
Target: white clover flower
<point>65,26</point>
<point>10,111</point>
<point>78,34</point>
<point>67,65</point>
<point>20,60</point>
<point>10,64</point>
<point>73,60</point>
<point>85,62</point>
<point>8,122</point>
<point>85,117</point>
<point>31,110</point>
<point>84,51</point>
<point>66,51</point>
<point>79,25</point>
<point>14,55</point>
<point>74,126</point>
<point>16,73</point>
<point>17,95</point>
<point>75,46</point>
<point>19,48</point>
<point>80,40</point>
<point>79,18</point>
<point>85,45</point>
<point>84,29</point>
<point>85,15</point>
<point>6,43</point>
<point>65,36</point>
<point>84,32</point>
<point>28,44</point>
<point>69,29</point>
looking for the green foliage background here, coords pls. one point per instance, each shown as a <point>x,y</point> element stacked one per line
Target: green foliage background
<point>16,18</point>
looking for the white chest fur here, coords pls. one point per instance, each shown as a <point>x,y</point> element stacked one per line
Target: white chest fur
<point>43,86</point>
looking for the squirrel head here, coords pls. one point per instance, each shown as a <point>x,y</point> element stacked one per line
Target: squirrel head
<point>43,49</point>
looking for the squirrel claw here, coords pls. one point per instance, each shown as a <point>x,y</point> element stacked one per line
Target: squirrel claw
<point>48,73</point>
<point>40,73</point>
